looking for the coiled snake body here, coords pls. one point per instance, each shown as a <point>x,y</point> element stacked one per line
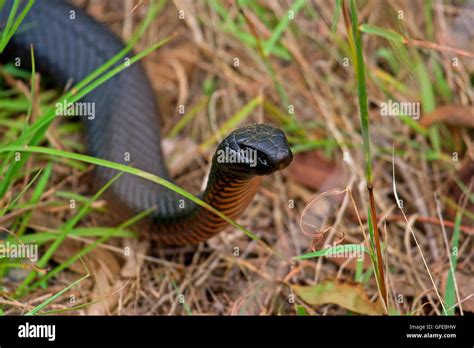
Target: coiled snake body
<point>70,45</point>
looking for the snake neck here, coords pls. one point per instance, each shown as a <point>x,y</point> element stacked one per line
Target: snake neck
<point>226,192</point>
<point>124,127</point>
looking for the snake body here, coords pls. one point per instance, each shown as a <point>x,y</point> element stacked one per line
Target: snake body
<point>68,45</point>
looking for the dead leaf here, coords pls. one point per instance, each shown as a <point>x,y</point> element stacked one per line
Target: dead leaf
<point>106,273</point>
<point>314,171</point>
<point>103,266</point>
<point>105,295</point>
<point>346,295</point>
<point>93,260</point>
<point>454,115</point>
<point>67,248</point>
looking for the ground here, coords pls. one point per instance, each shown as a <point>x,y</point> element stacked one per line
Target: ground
<point>288,64</point>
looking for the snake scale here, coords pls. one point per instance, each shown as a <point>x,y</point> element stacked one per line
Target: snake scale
<point>126,129</point>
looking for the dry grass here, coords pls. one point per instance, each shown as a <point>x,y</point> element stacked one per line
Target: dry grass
<point>210,278</point>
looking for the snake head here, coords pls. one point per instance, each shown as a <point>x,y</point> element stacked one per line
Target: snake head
<point>258,149</point>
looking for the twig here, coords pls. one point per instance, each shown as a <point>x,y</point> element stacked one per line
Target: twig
<point>446,243</point>
<point>428,220</point>
<point>412,232</point>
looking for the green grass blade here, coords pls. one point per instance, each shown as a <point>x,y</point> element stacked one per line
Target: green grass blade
<point>188,117</point>
<point>334,251</point>
<point>335,17</point>
<point>87,249</point>
<point>362,94</point>
<point>137,172</point>
<point>65,230</point>
<point>36,196</point>
<point>49,300</point>
<point>11,27</point>
<point>281,26</point>
<point>36,132</point>
<point>34,200</point>
<point>13,202</point>
<point>450,292</point>
<point>387,34</point>
<point>232,122</point>
<point>8,26</point>
<point>90,232</point>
